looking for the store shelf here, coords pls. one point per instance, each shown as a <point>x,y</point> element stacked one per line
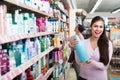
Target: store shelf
<point>67,57</point>
<point>116,70</point>
<point>116,46</point>
<point>44,77</point>
<point>57,18</point>
<point>40,77</point>
<point>61,10</point>
<point>49,73</point>
<point>5,39</point>
<point>26,7</point>
<point>115,58</point>
<point>13,5</point>
<point>17,71</point>
<point>63,21</point>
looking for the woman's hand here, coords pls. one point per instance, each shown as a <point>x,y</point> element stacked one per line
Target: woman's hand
<point>70,45</point>
<point>73,42</point>
<point>89,61</point>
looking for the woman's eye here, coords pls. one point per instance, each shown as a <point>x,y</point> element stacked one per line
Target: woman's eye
<point>95,26</point>
<point>98,26</point>
<point>101,26</point>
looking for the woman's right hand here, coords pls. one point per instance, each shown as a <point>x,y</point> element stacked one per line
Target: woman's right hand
<point>73,42</point>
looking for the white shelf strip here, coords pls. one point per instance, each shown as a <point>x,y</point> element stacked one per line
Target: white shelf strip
<point>116,46</point>
<point>118,58</point>
<point>26,7</point>
<point>44,77</point>
<point>5,39</point>
<point>116,70</point>
<point>12,74</point>
<point>49,73</point>
<point>40,77</point>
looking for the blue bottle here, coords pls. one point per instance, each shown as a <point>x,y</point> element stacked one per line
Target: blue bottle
<point>81,50</point>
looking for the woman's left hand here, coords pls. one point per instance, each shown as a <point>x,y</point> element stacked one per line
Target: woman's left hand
<point>89,61</point>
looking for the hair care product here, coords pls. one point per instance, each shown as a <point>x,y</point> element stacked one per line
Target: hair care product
<point>81,50</point>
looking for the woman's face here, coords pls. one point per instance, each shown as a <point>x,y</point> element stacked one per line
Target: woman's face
<point>97,29</point>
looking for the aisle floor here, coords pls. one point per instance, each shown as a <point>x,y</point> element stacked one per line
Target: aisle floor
<point>71,74</point>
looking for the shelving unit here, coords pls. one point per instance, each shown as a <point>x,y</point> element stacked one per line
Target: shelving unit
<point>61,10</point>
<point>41,77</point>
<point>5,39</point>
<point>114,68</point>
<point>48,73</point>
<point>15,4</point>
<point>114,36</point>
<point>12,74</point>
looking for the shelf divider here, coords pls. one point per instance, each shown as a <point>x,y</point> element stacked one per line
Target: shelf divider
<point>5,39</point>
<point>27,7</point>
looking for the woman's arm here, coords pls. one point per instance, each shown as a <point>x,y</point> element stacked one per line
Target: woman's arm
<point>100,65</point>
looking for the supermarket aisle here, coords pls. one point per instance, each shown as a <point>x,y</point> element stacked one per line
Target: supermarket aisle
<point>71,74</point>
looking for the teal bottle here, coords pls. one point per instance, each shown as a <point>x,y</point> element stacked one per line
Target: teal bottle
<point>81,50</point>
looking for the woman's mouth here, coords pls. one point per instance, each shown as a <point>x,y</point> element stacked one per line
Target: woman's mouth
<point>97,33</point>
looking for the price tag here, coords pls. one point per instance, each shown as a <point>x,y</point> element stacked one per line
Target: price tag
<point>8,77</point>
<point>48,74</point>
<point>22,68</point>
<point>37,34</point>
<point>4,39</point>
<point>26,66</point>
<point>16,37</point>
<point>40,78</point>
<point>12,74</point>
<point>33,61</point>
<point>12,38</point>
<point>28,35</point>
<point>17,72</point>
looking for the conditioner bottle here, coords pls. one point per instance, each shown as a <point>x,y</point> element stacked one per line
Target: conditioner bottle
<point>81,50</point>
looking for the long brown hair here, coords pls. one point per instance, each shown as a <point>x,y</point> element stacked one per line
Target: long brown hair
<point>102,42</point>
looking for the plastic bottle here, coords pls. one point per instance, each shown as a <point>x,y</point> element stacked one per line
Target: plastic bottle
<point>81,50</point>
<point>12,57</point>
<point>5,62</point>
<point>37,46</point>
<point>17,56</point>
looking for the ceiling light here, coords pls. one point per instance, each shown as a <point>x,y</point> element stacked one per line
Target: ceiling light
<point>95,6</point>
<point>118,10</point>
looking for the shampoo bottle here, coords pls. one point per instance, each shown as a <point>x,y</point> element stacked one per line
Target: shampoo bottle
<point>81,50</point>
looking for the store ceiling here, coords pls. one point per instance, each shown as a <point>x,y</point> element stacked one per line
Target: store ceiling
<point>104,9</point>
<point>105,5</point>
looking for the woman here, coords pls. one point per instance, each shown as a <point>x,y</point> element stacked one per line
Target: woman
<point>100,50</point>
